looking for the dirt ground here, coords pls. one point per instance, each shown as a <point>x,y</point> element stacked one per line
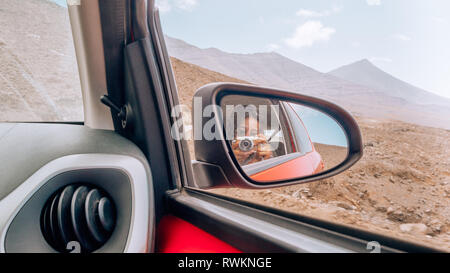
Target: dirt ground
<point>401,186</point>
<point>331,155</point>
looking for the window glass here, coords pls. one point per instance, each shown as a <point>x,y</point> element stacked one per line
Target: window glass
<point>302,139</point>
<point>386,62</point>
<point>255,129</point>
<point>38,71</point>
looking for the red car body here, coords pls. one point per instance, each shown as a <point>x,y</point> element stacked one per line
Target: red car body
<point>306,164</point>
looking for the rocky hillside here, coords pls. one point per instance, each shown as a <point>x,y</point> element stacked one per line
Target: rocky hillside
<point>407,103</point>
<point>365,73</point>
<point>401,187</point>
<point>190,77</point>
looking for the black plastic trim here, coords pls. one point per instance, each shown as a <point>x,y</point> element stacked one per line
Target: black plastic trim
<point>219,152</point>
<point>180,151</point>
<point>115,30</point>
<point>24,233</point>
<point>142,88</point>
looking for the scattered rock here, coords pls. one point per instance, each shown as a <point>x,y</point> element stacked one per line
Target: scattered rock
<point>372,202</point>
<point>436,227</point>
<point>345,206</point>
<point>396,215</point>
<point>410,210</point>
<point>296,194</point>
<point>381,208</point>
<point>414,228</point>
<point>403,130</point>
<point>363,194</point>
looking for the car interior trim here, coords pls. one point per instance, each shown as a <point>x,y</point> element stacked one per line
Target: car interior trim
<point>139,234</point>
<point>86,30</point>
<point>250,230</point>
<point>350,237</point>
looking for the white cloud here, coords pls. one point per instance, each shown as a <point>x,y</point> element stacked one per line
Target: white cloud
<point>163,6</point>
<point>308,13</point>
<point>402,37</point>
<point>311,13</point>
<point>373,2</point>
<point>272,47</point>
<point>439,20</point>
<point>261,20</point>
<point>186,4</point>
<point>355,44</point>
<point>380,59</point>
<point>166,5</point>
<point>307,34</point>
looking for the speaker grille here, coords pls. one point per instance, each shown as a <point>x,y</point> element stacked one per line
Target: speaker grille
<point>78,217</point>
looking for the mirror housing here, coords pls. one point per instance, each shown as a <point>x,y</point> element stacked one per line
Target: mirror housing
<point>216,166</point>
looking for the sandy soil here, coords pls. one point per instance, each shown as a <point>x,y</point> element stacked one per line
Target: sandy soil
<point>401,186</point>
<point>402,179</point>
<point>331,155</point>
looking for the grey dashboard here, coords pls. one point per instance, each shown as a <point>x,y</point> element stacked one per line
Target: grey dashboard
<point>38,160</point>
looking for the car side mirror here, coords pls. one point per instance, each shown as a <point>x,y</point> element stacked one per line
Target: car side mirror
<point>247,136</point>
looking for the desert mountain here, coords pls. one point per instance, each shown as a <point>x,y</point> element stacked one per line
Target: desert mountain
<point>190,77</point>
<point>275,70</point>
<point>396,163</point>
<point>268,69</point>
<point>365,73</point>
<point>32,93</point>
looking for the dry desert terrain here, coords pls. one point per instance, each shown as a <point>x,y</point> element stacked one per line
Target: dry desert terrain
<point>401,186</point>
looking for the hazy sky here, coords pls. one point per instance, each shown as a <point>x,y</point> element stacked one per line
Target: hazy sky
<point>409,39</point>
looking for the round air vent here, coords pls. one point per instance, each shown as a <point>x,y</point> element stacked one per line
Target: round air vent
<point>78,217</point>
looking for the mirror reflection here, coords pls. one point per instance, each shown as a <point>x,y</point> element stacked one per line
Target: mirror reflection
<point>276,140</point>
